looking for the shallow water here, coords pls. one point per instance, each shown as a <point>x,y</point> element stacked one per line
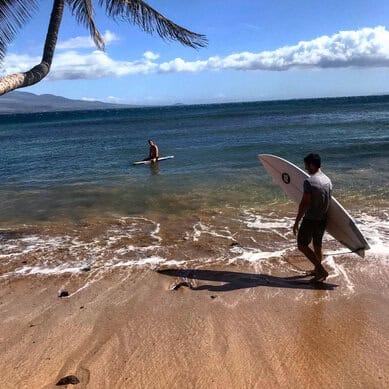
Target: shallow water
<point>71,197</point>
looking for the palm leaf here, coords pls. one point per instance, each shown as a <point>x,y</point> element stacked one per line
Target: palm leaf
<point>14,14</point>
<point>83,11</point>
<point>149,20</point>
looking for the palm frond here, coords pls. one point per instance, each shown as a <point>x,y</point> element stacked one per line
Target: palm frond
<point>83,11</point>
<point>149,20</point>
<point>14,14</point>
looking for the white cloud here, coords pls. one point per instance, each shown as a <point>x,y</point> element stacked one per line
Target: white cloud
<point>108,99</point>
<point>88,99</point>
<point>85,42</point>
<point>97,64</point>
<point>368,47</point>
<point>73,65</point>
<point>114,99</point>
<point>150,55</point>
<point>14,63</point>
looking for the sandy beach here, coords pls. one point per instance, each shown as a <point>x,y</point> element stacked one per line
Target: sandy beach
<point>226,326</point>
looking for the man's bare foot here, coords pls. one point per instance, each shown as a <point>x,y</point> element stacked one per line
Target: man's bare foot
<point>320,277</point>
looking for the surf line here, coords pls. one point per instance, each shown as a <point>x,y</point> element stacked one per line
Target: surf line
<point>299,269</point>
<point>325,254</point>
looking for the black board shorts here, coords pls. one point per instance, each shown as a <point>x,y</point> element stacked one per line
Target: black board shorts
<point>311,230</point>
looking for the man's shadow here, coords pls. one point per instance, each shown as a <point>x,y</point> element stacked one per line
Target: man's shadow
<point>234,280</point>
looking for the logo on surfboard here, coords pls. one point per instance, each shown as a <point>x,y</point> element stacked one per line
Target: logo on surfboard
<point>286,178</point>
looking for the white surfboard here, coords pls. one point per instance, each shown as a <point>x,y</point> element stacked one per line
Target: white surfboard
<point>339,224</point>
<point>147,162</point>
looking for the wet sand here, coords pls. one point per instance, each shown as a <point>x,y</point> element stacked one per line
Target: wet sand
<point>210,327</point>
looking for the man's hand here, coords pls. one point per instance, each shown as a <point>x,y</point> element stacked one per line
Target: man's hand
<point>295,228</point>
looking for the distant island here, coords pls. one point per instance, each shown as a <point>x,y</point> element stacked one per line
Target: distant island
<point>25,102</point>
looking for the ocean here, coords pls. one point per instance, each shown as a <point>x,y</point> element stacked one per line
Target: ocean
<point>71,198</point>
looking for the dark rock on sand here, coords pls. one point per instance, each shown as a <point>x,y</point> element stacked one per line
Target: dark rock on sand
<point>68,380</point>
<point>63,293</point>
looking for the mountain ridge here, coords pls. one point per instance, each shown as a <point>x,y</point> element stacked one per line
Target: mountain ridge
<point>27,102</point>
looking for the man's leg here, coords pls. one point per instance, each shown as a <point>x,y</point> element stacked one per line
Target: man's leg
<point>311,255</point>
<point>318,251</point>
<point>304,238</point>
<point>317,237</point>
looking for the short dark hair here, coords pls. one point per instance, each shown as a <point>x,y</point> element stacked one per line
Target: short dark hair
<point>313,159</point>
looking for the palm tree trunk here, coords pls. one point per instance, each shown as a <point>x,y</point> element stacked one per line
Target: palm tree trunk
<point>38,72</point>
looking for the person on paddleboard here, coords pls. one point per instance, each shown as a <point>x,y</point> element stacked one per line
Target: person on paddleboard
<point>313,210</point>
<point>153,152</point>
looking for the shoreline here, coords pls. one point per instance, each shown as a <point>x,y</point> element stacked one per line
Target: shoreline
<point>233,236</point>
<point>234,327</point>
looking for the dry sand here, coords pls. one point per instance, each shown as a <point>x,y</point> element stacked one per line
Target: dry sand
<point>223,327</point>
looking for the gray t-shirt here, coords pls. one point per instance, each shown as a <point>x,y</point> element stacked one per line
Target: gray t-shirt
<point>320,188</point>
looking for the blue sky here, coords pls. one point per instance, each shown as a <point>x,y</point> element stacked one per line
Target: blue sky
<point>258,50</point>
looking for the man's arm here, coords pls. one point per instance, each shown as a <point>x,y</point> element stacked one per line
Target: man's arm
<point>304,204</point>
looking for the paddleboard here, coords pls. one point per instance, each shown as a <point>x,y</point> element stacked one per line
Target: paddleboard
<point>339,224</point>
<point>148,162</point>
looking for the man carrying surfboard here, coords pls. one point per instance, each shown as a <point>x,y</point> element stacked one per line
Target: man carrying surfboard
<point>153,152</point>
<point>313,210</point>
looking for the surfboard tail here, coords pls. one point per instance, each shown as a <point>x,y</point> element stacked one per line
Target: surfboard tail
<point>362,250</point>
<point>361,253</point>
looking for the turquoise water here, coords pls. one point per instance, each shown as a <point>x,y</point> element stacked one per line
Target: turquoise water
<point>75,164</point>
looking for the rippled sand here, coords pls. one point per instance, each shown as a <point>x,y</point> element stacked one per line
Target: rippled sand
<point>215,300</point>
<point>228,326</point>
